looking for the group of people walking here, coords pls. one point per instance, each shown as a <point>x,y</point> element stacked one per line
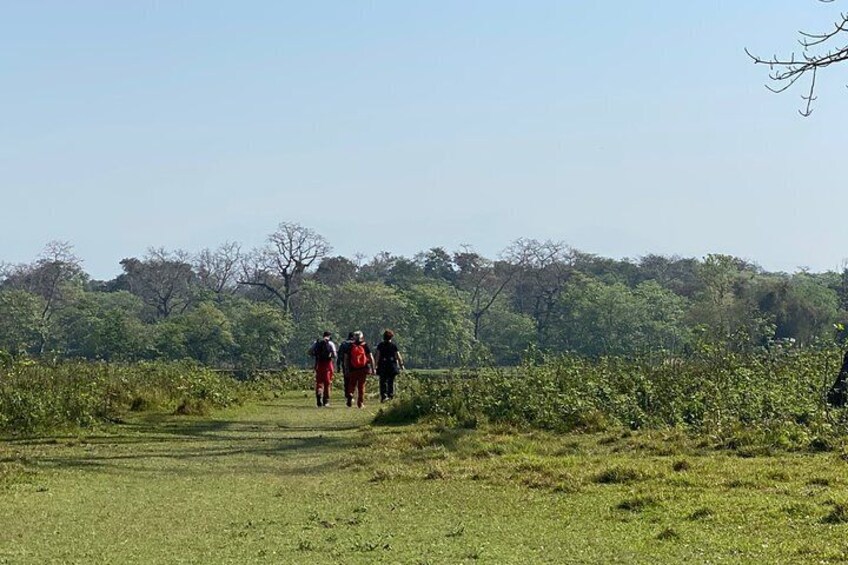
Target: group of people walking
<point>354,358</point>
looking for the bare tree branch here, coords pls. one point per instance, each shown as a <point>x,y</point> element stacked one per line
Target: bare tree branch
<point>483,281</point>
<point>51,276</point>
<point>216,269</point>
<point>546,268</point>
<point>817,53</point>
<point>279,266</point>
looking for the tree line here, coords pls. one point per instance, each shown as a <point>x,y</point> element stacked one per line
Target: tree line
<point>261,308</point>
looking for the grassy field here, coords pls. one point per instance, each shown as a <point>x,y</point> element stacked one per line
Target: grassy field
<point>280,481</point>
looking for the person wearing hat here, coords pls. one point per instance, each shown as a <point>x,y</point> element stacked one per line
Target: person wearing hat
<point>359,363</point>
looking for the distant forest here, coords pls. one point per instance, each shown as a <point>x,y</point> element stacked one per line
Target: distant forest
<point>261,309</point>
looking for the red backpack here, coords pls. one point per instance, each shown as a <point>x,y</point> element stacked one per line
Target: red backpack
<point>358,359</point>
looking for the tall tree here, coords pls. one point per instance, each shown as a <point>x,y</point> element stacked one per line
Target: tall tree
<point>547,267</point>
<point>261,332</point>
<point>335,271</point>
<point>482,281</point>
<point>405,273</point>
<point>371,308</point>
<point>725,307</point>
<point>442,335</point>
<point>438,264</point>
<point>163,280</point>
<point>20,321</point>
<point>217,269</point>
<point>378,269</point>
<point>505,333</point>
<point>278,267</point>
<point>207,334</point>
<point>103,325</point>
<point>310,315</point>
<point>801,306</point>
<point>613,319</point>
<point>678,274</point>
<point>55,276</point>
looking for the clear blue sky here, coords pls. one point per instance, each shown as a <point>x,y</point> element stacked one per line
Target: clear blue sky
<point>622,128</point>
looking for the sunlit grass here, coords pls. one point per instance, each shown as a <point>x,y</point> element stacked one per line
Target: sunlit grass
<point>279,480</point>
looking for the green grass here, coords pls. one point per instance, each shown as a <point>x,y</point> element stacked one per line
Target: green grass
<point>280,481</point>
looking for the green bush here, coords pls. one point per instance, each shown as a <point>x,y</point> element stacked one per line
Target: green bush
<point>36,397</point>
<point>768,397</point>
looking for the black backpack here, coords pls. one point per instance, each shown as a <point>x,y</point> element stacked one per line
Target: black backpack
<point>323,351</point>
<point>388,359</point>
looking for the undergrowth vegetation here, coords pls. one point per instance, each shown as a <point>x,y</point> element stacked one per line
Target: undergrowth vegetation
<point>767,398</point>
<point>38,397</point>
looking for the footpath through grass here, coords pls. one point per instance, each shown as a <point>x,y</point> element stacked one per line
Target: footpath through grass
<point>280,481</point>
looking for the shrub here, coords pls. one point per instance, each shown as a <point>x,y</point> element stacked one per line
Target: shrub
<point>38,397</point>
<point>750,401</point>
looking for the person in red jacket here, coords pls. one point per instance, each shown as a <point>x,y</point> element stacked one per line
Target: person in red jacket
<point>324,352</point>
<point>359,363</point>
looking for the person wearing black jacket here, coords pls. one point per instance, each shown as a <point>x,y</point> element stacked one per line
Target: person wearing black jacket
<point>389,364</point>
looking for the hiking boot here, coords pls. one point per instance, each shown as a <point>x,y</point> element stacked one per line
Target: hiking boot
<point>326,402</point>
<point>349,402</point>
<point>383,399</point>
<point>319,401</point>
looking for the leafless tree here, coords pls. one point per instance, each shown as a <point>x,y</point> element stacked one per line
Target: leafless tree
<point>279,266</point>
<point>217,269</point>
<point>546,268</point>
<point>818,51</point>
<point>483,280</point>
